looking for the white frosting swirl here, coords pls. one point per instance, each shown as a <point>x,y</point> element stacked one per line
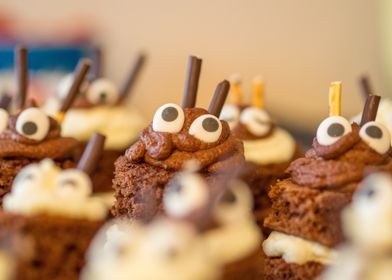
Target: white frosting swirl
<point>297,250</point>
<point>46,189</point>
<point>277,148</point>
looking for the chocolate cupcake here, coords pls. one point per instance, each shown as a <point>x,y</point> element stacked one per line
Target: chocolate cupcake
<point>306,207</point>
<point>49,219</point>
<point>268,148</point>
<point>30,135</point>
<point>101,107</point>
<point>175,136</point>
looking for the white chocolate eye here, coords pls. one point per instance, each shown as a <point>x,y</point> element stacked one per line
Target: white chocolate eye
<point>3,119</point>
<point>73,182</point>
<point>66,83</point>
<point>168,118</point>
<point>186,193</point>
<point>332,129</point>
<point>376,136</point>
<point>231,114</point>
<point>32,123</point>
<point>29,178</point>
<point>206,128</point>
<point>256,120</point>
<point>102,91</point>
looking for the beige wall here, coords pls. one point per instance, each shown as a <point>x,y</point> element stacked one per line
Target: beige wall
<point>298,46</point>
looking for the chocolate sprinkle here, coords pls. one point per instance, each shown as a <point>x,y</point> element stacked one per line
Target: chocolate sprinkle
<point>210,124</point>
<point>335,130</point>
<point>374,132</point>
<point>370,111</point>
<point>169,114</point>
<point>192,82</point>
<point>219,98</point>
<point>21,64</point>
<point>92,153</point>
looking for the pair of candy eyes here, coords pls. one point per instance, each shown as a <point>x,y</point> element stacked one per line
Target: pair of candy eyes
<point>170,118</point>
<point>374,134</point>
<point>32,123</point>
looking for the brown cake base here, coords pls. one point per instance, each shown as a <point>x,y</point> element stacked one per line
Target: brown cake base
<point>10,167</point>
<point>309,213</point>
<point>250,268</point>
<point>45,247</point>
<point>278,269</point>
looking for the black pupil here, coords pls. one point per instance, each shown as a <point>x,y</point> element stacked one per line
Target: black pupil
<point>335,130</point>
<point>228,197</point>
<point>169,114</point>
<point>102,97</point>
<point>368,192</point>
<point>210,124</point>
<point>70,182</point>
<point>29,128</point>
<point>176,187</point>
<point>374,131</point>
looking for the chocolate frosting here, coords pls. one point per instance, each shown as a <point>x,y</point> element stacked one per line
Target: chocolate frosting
<point>13,144</point>
<point>344,162</point>
<point>171,150</point>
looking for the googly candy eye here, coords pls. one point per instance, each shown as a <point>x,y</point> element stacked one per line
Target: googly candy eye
<point>3,119</point>
<point>65,85</point>
<point>256,120</point>
<point>332,129</point>
<point>376,136</point>
<point>74,182</point>
<point>206,128</point>
<point>168,118</point>
<point>32,123</point>
<point>102,91</point>
<point>231,114</point>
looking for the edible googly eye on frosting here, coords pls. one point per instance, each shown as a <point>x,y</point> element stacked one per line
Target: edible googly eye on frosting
<point>74,182</point>
<point>376,136</point>
<point>102,92</point>
<point>168,118</point>
<point>3,119</point>
<point>231,114</point>
<point>332,129</point>
<point>32,123</point>
<point>65,85</point>
<point>206,128</point>
<point>256,120</point>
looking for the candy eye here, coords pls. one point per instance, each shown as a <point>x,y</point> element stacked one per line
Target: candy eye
<point>206,128</point>
<point>66,83</point>
<point>185,194</point>
<point>74,182</point>
<point>332,129</point>
<point>256,120</point>
<point>3,119</point>
<point>102,92</point>
<point>231,114</point>
<point>32,123</point>
<point>168,118</point>
<point>28,177</point>
<point>376,136</point>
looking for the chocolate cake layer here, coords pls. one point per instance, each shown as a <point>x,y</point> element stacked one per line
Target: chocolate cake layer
<point>278,269</point>
<point>46,247</point>
<point>307,212</point>
<point>249,268</point>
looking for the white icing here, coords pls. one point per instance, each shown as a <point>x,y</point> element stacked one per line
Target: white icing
<point>3,119</point>
<point>297,250</point>
<point>172,126</point>
<point>277,148</point>
<point>198,130</point>
<point>322,131</point>
<point>35,117</point>
<point>45,189</point>
<point>257,121</point>
<point>380,145</point>
<point>162,250</point>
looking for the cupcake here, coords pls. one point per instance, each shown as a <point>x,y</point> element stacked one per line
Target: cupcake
<point>176,135</point>
<point>101,107</point>
<point>268,148</point>
<point>306,207</point>
<point>368,227</point>
<point>49,219</point>
<point>30,135</point>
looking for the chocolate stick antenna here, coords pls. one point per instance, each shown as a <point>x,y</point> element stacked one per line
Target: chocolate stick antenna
<point>96,68</point>
<point>22,76</point>
<point>92,154</point>
<point>79,76</point>
<point>192,82</point>
<point>5,101</point>
<point>132,77</point>
<point>219,98</point>
<point>366,86</point>
<point>370,110</point>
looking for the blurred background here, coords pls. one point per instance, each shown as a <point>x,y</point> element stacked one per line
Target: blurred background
<point>299,47</point>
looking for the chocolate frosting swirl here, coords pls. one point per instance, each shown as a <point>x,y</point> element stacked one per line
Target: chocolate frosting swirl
<point>344,162</point>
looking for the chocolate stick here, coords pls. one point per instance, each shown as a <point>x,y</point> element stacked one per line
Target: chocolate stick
<point>96,69</point>
<point>219,98</point>
<point>5,101</point>
<point>366,86</point>
<point>80,73</point>
<point>22,76</point>
<point>92,153</point>
<point>192,82</point>
<point>370,110</point>
<point>132,77</point>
